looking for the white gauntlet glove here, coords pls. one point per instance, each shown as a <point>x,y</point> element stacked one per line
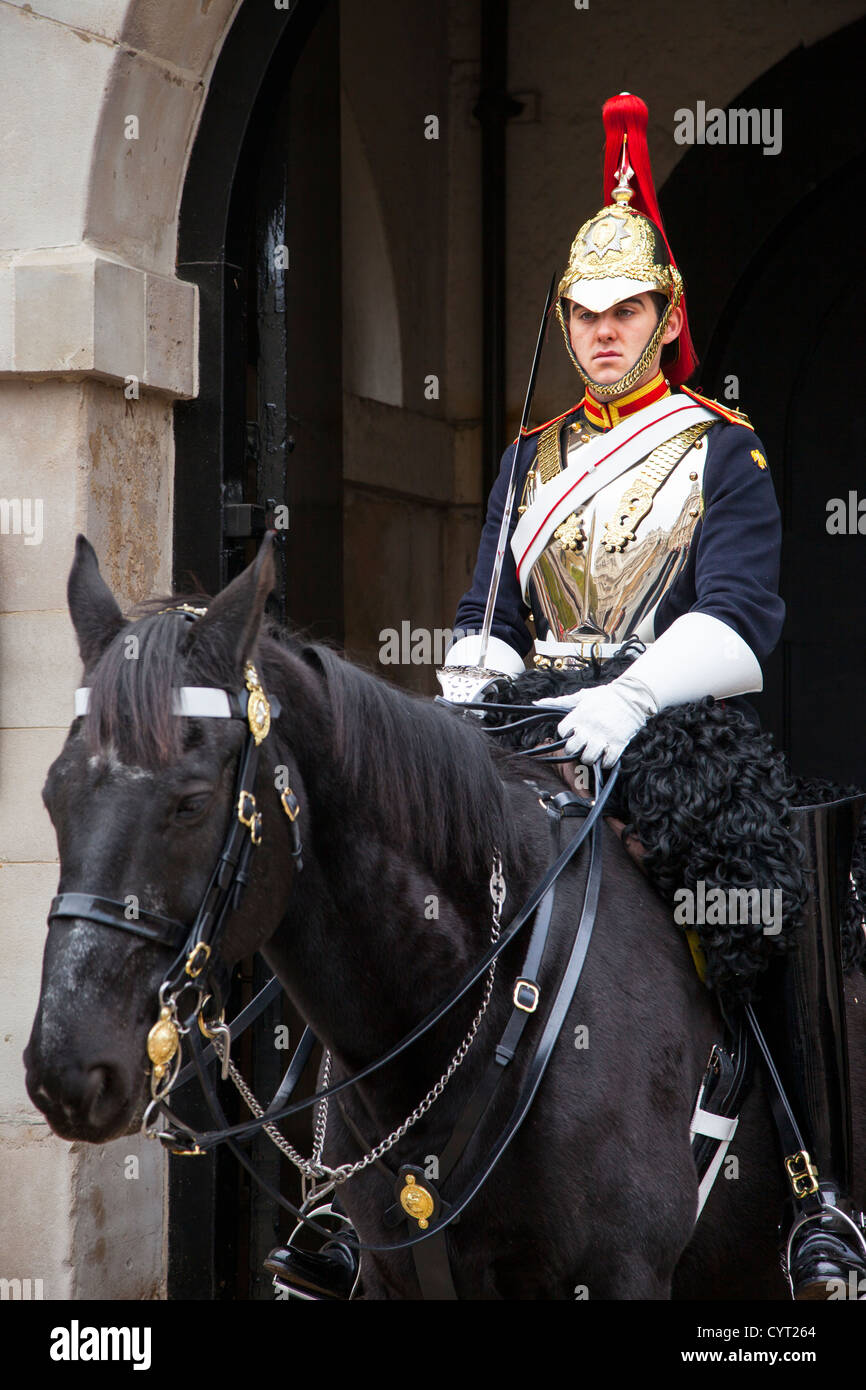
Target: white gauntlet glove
<point>697,656</point>
<point>604,719</point>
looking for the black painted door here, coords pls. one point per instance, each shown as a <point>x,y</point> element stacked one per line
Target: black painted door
<point>262,444</point>
<point>294,339</point>
<point>292,471</point>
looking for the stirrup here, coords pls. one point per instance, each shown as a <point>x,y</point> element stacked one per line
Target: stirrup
<point>825,1256</point>
<point>330,1274</point>
<point>823,1247</point>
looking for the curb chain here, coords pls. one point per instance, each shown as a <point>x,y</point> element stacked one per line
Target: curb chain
<point>313,1167</point>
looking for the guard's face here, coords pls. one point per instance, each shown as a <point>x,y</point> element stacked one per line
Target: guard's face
<point>608,344</point>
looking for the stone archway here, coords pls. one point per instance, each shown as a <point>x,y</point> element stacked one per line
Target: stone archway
<point>98,337</point>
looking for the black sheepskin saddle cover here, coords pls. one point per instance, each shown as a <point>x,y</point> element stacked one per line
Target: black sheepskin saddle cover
<point>708,795</point>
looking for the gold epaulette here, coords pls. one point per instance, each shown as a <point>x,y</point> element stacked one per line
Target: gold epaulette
<point>733,417</point>
<point>525,434</point>
<point>548,459</point>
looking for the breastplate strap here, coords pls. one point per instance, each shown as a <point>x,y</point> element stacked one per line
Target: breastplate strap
<point>637,499</point>
<point>605,566</point>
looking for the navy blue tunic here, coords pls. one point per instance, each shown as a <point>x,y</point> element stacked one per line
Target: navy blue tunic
<point>731,572</point>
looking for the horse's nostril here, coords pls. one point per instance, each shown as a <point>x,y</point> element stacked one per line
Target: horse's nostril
<point>97,1093</point>
<point>88,1096</point>
<point>96,1079</point>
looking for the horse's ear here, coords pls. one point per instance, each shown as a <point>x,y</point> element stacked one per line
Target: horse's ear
<point>95,614</point>
<point>234,617</point>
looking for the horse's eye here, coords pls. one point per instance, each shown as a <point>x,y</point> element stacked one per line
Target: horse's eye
<point>190,806</point>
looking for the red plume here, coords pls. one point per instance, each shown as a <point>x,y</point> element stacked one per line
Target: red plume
<point>628,115</point>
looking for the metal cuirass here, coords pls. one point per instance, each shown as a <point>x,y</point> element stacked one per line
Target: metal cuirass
<point>604,569</point>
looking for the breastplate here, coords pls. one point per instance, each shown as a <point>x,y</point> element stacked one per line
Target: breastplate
<point>604,569</point>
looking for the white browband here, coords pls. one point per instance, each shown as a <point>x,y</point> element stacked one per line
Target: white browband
<point>195,701</point>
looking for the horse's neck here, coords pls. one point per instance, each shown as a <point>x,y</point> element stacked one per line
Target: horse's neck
<point>373,938</point>
<point>371,942</point>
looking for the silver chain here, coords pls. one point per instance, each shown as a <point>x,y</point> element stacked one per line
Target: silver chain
<point>270,1130</point>
<point>322,1113</point>
<point>313,1167</point>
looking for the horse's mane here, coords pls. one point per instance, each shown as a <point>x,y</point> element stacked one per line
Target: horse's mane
<point>131,692</point>
<point>432,775</point>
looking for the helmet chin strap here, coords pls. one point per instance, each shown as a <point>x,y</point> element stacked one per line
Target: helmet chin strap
<point>607,390</point>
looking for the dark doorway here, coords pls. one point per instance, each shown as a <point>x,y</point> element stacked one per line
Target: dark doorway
<point>794,335</point>
<point>774,295</point>
<point>260,446</point>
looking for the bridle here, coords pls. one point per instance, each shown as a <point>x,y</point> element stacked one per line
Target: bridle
<point>197,966</point>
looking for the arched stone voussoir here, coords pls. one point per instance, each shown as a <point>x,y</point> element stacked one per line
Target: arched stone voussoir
<point>150,113</point>
<point>87,279</point>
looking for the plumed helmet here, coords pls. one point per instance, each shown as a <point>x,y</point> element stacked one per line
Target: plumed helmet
<point>622,251</point>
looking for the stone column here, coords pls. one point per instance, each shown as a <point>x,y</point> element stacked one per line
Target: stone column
<point>97,339</point>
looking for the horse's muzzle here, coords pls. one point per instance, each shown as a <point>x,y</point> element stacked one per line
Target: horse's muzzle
<point>90,1103</point>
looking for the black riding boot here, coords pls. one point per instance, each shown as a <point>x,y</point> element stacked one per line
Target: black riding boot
<point>330,1273</point>
<point>803,1014</point>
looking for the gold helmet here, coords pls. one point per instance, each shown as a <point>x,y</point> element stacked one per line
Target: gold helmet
<point>622,251</point>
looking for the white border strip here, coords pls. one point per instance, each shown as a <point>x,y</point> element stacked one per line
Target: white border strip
<point>719,1127</point>
<point>193,701</point>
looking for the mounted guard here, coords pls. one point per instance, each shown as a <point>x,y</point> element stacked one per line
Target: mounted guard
<point>645,550</point>
<point>635,502</point>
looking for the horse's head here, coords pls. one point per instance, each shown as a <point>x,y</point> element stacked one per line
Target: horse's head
<point>142,799</point>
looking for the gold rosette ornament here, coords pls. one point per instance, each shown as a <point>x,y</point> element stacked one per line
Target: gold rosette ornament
<point>415,1195</point>
<point>163,1041</point>
<point>258,708</point>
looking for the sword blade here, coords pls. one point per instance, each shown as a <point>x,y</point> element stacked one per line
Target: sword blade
<point>496,572</point>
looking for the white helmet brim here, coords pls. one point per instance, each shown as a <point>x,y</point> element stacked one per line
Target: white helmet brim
<point>598,295</point>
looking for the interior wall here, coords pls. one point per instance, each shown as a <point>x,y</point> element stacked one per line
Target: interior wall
<point>673,54</point>
<point>414,503</point>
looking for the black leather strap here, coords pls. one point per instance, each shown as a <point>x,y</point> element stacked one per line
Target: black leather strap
<point>544,1048</point>
<point>227,884</point>
<point>553,1027</point>
<point>789,1131</point>
<point>536,1070</point>
<point>239,1024</point>
<point>250,1127</point>
<point>287,1086</point>
<point>433,1269</point>
<point>165,931</point>
<point>724,1087</point>
<point>479,1101</point>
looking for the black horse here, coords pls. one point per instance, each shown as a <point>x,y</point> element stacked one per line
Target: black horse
<point>403,806</point>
